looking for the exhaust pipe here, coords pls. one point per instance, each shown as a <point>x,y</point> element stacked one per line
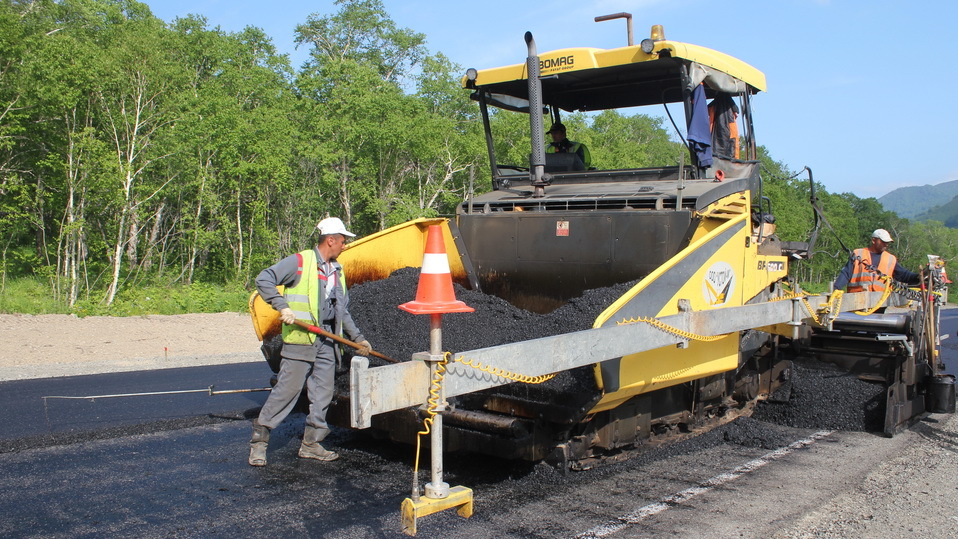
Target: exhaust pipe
<point>537,166</point>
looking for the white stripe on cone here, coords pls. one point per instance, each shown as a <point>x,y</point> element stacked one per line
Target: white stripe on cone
<point>435,263</point>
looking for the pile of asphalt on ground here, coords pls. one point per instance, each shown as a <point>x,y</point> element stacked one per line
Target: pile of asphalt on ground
<point>821,396</point>
<point>818,396</point>
<point>398,334</point>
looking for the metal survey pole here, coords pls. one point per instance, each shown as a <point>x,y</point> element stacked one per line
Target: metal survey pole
<point>436,488</point>
<point>435,296</point>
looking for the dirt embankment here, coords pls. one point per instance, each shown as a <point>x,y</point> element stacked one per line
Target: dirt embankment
<point>64,345</point>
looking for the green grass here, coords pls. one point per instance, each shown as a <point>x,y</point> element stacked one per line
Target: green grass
<point>814,288</point>
<point>33,296</point>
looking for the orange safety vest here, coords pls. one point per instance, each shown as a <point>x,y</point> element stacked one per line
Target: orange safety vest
<point>732,131</point>
<point>733,134</point>
<point>866,280</point>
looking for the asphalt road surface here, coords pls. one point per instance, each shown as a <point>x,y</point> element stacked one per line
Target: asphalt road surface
<point>175,466</point>
<point>51,408</point>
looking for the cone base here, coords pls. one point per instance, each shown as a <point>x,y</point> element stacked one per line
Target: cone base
<point>436,307</point>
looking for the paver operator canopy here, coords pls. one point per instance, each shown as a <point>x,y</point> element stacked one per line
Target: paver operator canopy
<point>585,227</point>
<point>656,71</point>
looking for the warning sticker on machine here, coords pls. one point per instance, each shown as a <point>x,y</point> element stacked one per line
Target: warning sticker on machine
<point>719,283</point>
<point>562,228</point>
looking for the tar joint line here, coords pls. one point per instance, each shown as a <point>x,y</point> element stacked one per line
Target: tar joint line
<point>679,498</point>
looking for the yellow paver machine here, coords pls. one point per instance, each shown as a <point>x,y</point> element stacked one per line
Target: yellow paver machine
<point>711,325</point>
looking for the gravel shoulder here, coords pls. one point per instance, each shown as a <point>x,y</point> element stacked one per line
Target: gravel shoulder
<point>43,346</point>
<point>909,490</point>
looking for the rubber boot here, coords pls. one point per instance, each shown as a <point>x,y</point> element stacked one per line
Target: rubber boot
<point>257,444</point>
<point>311,448</point>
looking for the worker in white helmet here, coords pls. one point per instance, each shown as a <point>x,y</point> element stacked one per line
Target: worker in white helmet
<point>315,293</point>
<point>867,266</point>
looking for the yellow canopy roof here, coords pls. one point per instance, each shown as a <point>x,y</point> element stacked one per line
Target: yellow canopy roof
<point>596,79</point>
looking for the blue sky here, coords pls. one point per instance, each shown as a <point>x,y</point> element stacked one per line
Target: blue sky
<point>851,84</point>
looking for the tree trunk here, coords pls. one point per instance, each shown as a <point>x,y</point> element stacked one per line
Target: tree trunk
<point>194,247</point>
<point>117,259</point>
<point>344,198</point>
<point>154,237</point>
<point>238,259</point>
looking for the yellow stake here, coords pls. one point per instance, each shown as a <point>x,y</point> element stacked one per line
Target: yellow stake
<point>459,496</point>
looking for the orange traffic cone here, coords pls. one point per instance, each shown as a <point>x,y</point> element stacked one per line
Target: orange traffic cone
<point>435,294</point>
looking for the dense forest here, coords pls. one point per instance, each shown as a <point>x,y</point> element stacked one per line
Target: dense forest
<point>137,151</point>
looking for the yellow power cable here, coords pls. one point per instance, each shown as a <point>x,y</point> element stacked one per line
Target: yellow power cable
<point>495,371</point>
<point>432,403</point>
<point>808,306</point>
<point>835,302</point>
<point>887,280</point>
<point>673,330</point>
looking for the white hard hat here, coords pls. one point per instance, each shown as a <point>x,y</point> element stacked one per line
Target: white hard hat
<point>333,225</point>
<point>883,235</point>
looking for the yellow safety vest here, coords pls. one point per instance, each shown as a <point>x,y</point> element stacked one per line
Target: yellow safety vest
<point>573,148</point>
<point>305,298</point>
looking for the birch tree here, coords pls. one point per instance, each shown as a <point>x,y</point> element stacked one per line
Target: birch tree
<point>133,104</point>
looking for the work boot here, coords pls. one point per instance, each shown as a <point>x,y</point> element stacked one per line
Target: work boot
<point>311,448</point>
<point>257,444</point>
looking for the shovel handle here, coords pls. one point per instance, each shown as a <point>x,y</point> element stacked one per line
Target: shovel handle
<point>341,340</point>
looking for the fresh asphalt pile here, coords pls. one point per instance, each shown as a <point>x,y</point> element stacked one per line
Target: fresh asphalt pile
<point>819,396</point>
<point>399,334</point>
<point>816,397</point>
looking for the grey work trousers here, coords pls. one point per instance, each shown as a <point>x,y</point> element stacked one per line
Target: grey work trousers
<point>318,377</point>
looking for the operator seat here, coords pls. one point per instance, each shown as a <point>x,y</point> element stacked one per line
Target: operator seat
<point>563,162</point>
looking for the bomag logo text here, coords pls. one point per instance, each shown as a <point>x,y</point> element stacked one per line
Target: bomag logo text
<point>552,63</point>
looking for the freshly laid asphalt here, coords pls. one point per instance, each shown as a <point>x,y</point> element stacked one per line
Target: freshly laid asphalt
<point>36,414</point>
<point>174,465</point>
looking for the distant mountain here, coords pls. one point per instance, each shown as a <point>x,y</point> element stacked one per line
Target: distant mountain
<point>946,213</point>
<point>911,202</point>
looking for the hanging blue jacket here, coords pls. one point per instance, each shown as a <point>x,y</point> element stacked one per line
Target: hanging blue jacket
<point>699,134</point>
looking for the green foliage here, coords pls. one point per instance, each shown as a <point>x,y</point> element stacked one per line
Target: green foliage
<point>142,164</point>
<point>362,32</point>
<point>177,299</point>
<point>29,295</point>
<point>946,213</point>
<point>618,141</point>
<point>510,133</point>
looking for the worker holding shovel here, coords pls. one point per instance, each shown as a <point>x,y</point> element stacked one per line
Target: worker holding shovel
<point>315,296</point>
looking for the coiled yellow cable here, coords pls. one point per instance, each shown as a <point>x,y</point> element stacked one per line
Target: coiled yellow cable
<point>432,403</point>
<point>834,304</point>
<point>828,307</point>
<point>673,330</point>
<point>887,280</point>
<point>495,371</point>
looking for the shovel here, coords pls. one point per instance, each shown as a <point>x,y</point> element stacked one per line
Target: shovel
<point>320,331</point>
